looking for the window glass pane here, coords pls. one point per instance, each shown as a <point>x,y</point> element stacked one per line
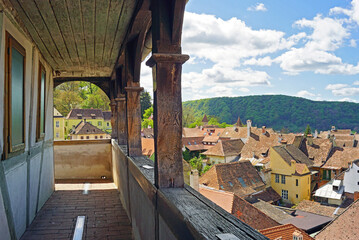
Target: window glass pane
<point>17,98</point>
<point>42,106</point>
<point>242,182</point>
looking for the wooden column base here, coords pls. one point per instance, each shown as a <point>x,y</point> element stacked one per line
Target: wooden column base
<point>134,120</point>
<point>168,119</point>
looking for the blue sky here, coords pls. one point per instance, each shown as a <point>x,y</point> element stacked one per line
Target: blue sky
<point>300,48</point>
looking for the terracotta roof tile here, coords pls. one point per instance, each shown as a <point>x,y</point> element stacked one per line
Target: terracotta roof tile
<point>317,208</point>
<point>289,152</point>
<point>85,128</point>
<point>225,148</point>
<point>221,198</point>
<point>284,232</point>
<point>85,114</point>
<point>267,195</point>
<point>238,177</point>
<point>319,150</point>
<point>348,220</point>
<point>148,146</point>
<point>340,157</point>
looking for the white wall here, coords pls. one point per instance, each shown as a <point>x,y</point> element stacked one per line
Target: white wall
<point>351,179</point>
<point>26,188</point>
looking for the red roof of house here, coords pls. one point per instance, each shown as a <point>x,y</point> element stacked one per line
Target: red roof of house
<point>284,232</point>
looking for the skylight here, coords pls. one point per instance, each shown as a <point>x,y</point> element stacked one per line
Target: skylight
<point>242,182</point>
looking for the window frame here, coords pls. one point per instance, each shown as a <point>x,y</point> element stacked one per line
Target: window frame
<point>57,124</point>
<point>276,178</point>
<point>10,150</point>
<point>286,193</point>
<point>40,135</point>
<point>282,179</point>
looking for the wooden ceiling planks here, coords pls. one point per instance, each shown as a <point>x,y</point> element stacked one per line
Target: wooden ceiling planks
<point>80,38</point>
<point>59,9</point>
<point>126,15</point>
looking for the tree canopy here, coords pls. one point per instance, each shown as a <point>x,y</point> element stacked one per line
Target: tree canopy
<point>78,94</point>
<point>146,101</point>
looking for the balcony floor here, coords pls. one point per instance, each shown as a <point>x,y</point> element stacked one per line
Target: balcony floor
<point>105,215</point>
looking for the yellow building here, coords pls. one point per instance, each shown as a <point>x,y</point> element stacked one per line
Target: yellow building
<point>96,117</point>
<point>86,131</point>
<point>59,125</point>
<point>290,177</point>
<point>224,151</point>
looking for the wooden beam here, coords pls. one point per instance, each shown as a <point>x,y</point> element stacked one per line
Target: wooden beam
<point>113,106</point>
<point>166,62</point>
<point>121,120</point>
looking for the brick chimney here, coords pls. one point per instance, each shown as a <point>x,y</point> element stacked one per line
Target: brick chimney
<point>249,125</point>
<point>356,196</point>
<point>297,235</point>
<point>310,139</point>
<point>194,180</point>
<point>264,130</point>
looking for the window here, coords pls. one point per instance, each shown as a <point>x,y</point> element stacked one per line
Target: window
<point>57,124</point>
<point>242,182</point>
<point>101,136</point>
<point>40,120</point>
<point>87,137</point>
<point>108,124</point>
<point>327,174</point>
<point>95,137</point>
<point>277,178</point>
<point>82,137</point>
<point>14,97</point>
<point>357,171</point>
<point>296,195</point>
<point>358,183</point>
<point>99,123</point>
<point>57,135</point>
<point>296,182</point>
<point>285,194</point>
<point>230,183</point>
<point>221,187</point>
<point>283,179</point>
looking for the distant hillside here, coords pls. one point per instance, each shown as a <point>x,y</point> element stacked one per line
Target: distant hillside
<point>278,111</point>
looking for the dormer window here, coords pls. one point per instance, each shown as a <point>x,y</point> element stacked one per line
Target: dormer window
<point>79,116</point>
<point>93,116</point>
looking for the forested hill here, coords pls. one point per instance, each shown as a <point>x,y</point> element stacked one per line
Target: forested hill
<point>278,111</point>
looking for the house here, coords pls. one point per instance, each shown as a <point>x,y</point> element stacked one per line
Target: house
<point>323,209</point>
<point>86,131</point>
<point>285,232</point>
<point>96,117</point>
<point>238,177</point>
<point>193,146</point>
<point>59,126</point>
<point>343,227</point>
<point>290,176</point>
<point>331,193</point>
<point>306,221</point>
<point>107,127</point>
<point>239,207</point>
<point>351,178</point>
<point>339,159</point>
<point>147,133</point>
<point>224,151</point>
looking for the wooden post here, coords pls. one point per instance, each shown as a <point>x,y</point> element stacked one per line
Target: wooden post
<point>121,120</point>
<point>168,118</point>
<point>166,63</point>
<point>113,119</point>
<point>133,106</point>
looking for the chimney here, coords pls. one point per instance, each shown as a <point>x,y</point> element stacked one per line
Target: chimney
<point>297,235</point>
<point>356,196</point>
<point>249,125</point>
<point>310,139</point>
<point>333,128</point>
<point>264,131</point>
<point>316,134</point>
<point>194,180</point>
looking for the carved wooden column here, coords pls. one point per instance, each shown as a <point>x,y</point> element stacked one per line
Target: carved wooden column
<point>133,106</point>
<point>113,119</point>
<point>121,120</point>
<point>166,63</point>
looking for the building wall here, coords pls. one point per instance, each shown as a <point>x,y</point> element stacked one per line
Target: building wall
<point>26,180</point>
<point>295,193</point>
<point>69,123</point>
<point>351,179</point>
<point>216,159</point>
<point>59,132</point>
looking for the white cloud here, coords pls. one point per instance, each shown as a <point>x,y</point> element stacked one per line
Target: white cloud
<point>353,43</point>
<point>305,93</point>
<point>227,42</point>
<point>350,91</point>
<point>347,100</point>
<point>243,90</point>
<point>266,61</point>
<point>353,13</point>
<point>336,86</point>
<point>258,7</point>
<point>356,83</point>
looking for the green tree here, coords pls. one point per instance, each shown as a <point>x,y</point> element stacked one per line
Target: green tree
<point>146,101</point>
<point>146,121</point>
<point>307,130</point>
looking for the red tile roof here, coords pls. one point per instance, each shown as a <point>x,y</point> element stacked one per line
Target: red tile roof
<point>148,146</point>
<point>284,232</point>
<point>238,177</point>
<point>85,128</point>
<point>340,157</point>
<point>240,208</point>
<point>226,148</point>
<point>343,227</point>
